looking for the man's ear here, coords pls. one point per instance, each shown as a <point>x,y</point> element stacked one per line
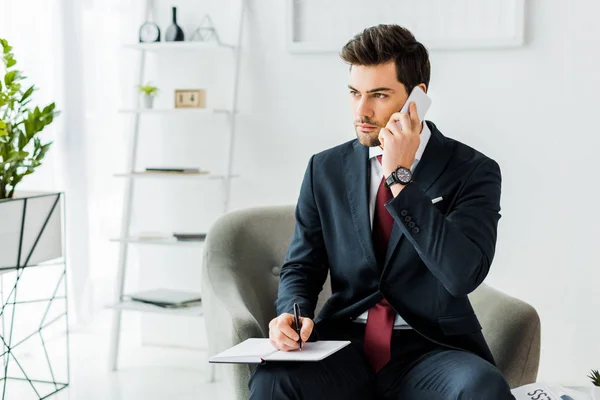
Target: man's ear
<point>423,86</point>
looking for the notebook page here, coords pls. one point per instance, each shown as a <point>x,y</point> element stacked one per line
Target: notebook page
<point>249,351</point>
<point>311,351</point>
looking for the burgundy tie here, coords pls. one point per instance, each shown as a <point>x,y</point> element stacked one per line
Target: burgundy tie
<point>380,322</point>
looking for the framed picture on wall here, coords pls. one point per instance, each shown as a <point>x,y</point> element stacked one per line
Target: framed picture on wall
<point>317,26</point>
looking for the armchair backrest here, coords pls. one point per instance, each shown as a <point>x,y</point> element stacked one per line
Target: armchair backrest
<point>253,243</point>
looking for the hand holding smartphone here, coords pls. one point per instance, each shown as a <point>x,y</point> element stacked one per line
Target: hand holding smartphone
<point>404,144</point>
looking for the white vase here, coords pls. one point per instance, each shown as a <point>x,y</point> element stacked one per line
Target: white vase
<point>30,232</point>
<point>148,101</point>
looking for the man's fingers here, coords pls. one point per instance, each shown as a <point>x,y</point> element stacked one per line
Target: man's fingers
<point>394,128</point>
<point>414,116</point>
<point>285,327</point>
<point>395,117</point>
<point>284,347</point>
<point>384,134</point>
<point>404,121</point>
<point>282,334</point>
<point>284,340</point>
<point>307,327</point>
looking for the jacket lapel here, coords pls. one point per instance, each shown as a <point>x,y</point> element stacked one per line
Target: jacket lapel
<point>357,173</point>
<point>432,165</point>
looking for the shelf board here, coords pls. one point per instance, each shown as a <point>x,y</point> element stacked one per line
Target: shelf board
<point>166,241</point>
<point>131,305</point>
<point>182,110</point>
<point>169,46</point>
<point>171,175</point>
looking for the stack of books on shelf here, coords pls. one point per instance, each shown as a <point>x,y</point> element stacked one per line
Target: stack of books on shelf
<point>190,237</point>
<point>179,236</point>
<point>165,170</point>
<point>167,298</point>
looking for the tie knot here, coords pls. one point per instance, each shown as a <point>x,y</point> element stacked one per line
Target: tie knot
<point>379,159</point>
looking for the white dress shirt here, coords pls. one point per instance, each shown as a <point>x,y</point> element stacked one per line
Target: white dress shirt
<point>376,177</point>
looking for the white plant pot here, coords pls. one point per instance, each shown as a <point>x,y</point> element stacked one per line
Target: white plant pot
<point>148,101</point>
<point>31,229</point>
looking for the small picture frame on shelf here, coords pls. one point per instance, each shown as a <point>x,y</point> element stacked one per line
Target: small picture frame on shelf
<point>190,98</point>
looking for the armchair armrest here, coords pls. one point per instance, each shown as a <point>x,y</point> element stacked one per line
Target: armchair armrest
<point>511,328</point>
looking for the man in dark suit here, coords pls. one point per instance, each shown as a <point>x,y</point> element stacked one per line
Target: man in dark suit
<point>404,220</point>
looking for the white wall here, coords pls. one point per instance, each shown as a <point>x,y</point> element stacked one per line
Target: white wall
<point>532,110</point>
<point>528,108</point>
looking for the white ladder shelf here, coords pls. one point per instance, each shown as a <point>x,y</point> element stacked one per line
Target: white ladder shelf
<point>126,238</point>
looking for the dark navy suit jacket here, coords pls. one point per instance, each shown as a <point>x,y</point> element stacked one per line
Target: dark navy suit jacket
<point>437,253</point>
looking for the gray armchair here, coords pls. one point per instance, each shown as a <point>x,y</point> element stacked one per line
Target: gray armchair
<point>243,252</point>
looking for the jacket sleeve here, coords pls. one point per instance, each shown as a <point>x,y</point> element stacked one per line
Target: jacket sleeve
<point>458,248</point>
<point>305,266</point>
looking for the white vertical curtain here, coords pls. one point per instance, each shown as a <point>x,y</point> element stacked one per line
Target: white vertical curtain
<point>71,50</point>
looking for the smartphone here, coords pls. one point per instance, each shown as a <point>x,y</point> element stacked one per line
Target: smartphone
<point>422,101</point>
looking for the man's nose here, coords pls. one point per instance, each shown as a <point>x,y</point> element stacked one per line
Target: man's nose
<point>363,109</point>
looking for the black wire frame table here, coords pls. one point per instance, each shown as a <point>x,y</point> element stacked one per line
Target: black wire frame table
<point>34,334</point>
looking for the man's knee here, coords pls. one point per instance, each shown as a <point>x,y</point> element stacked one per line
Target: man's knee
<point>271,381</point>
<point>485,383</point>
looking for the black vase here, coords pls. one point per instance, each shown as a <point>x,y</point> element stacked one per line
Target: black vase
<point>174,31</point>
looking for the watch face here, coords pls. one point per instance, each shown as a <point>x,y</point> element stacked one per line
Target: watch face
<point>149,32</point>
<point>404,175</point>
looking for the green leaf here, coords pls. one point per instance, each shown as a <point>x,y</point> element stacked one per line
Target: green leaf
<point>595,377</point>
<point>16,156</point>
<point>27,93</point>
<point>10,77</point>
<point>28,124</point>
<point>49,108</point>
<point>10,62</point>
<point>22,140</point>
<point>3,131</point>
<point>43,151</point>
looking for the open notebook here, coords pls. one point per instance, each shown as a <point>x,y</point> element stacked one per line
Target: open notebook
<point>259,351</point>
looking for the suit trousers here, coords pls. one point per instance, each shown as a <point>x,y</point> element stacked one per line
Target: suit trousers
<point>418,370</point>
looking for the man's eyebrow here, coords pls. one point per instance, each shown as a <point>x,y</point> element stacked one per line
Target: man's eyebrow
<point>379,89</point>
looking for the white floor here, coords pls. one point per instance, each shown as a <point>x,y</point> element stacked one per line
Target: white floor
<point>146,372</point>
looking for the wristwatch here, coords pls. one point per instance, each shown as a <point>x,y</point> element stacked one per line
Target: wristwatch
<point>401,175</point>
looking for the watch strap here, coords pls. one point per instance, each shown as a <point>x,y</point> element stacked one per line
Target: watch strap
<point>391,180</point>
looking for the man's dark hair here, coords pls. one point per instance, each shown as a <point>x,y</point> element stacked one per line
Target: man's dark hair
<point>384,43</point>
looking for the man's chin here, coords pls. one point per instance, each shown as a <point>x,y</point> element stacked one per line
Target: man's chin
<point>366,139</point>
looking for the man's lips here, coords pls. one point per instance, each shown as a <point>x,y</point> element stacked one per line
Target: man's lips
<point>366,126</point>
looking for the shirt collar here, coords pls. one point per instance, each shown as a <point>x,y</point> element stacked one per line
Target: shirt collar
<point>425,135</point>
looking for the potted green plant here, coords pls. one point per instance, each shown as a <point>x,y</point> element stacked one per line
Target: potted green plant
<point>21,151</point>
<point>149,92</point>
<point>31,221</point>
